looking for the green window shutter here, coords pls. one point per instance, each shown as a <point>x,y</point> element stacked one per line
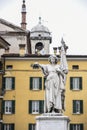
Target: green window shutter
<point>74,106</point>
<point>13,106</point>
<point>30,126</point>
<point>3,83</point>
<point>31,83</point>
<point>71,126</point>
<point>41,106</point>
<point>12,126</point>
<point>30,106</point>
<point>81,106</point>
<point>44,82</point>
<point>80,82</point>
<point>81,126</point>
<point>71,83</point>
<point>40,83</point>
<point>13,83</point>
<point>3,106</point>
<point>2,126</point>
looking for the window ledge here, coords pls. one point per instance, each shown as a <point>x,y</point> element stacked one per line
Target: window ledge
<point>76,89</point>
<point>35,112</point>
<point>35,89</point>
<point>9,89</point>
<point>77,113</point>
<point>8,113</point>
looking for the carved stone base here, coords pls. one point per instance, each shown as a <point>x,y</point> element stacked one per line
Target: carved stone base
<point>52,121</point>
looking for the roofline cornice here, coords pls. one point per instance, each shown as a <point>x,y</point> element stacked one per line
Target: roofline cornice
<point>43,57</point>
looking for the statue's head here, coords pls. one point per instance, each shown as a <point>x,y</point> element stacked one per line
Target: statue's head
<point>53,58</point>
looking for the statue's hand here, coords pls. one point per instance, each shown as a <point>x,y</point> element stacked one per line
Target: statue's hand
<point>35,65</point>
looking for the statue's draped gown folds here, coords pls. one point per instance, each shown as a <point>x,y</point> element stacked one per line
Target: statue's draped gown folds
<point>54,84</point>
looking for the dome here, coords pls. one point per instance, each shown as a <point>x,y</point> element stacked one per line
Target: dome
<point>40,30</point>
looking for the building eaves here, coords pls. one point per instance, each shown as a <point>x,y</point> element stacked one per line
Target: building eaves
<point>11,25</point>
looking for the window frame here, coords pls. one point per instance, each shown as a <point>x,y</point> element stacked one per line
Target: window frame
<point>77,106</point>
<point>75,67</point>
<point>8,126</point>
<point>32,126</point>
<point>75,81</point>
<point>12,83</point>
<point>40,106</point>
<point>32,83</point>
<point>9,67</point>
<point>75,126</point>
<point>10,107</point>
<point>35,107</point>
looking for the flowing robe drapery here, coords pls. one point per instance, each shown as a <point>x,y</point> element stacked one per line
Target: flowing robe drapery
<point>54,85</point>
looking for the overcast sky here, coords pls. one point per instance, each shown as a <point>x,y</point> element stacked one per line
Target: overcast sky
<point>64,18</point>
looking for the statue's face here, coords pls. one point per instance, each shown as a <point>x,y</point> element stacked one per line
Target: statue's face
<point>52,60</point>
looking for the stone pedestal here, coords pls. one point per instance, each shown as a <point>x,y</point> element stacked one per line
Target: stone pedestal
<point>52,121</point>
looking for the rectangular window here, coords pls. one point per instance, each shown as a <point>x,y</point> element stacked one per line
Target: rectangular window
<point>35,83</point>
<point>9,66</point>
<point>76,83</point>
<point>75,67</point>
<point>8,106</point>
<point>76,126</point>
<point>32,127</point>
<point>7,126</point>
<point>77,106</point>
<point>36,107</point>
<point>8,83</point>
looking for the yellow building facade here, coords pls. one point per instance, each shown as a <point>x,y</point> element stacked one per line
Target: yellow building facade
<point>24,93</point>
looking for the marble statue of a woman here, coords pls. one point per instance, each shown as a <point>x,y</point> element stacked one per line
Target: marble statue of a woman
<point>55,81</point>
